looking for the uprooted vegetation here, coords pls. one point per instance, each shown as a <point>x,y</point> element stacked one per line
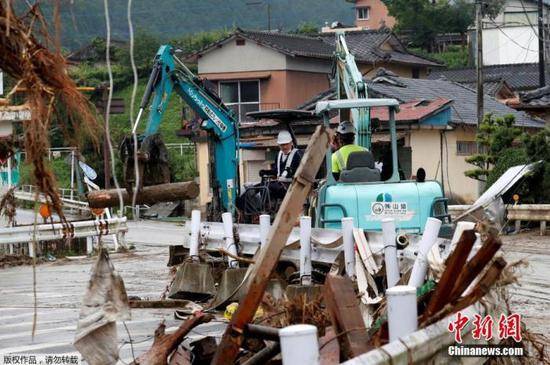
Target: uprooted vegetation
<point>28,54</point>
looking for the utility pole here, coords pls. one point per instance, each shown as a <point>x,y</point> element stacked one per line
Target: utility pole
<point>268,5</point>
<point>479,63</point>
<point>479,68</point>
<point>542,72</point>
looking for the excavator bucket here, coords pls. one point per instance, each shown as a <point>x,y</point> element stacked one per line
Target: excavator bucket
<point>153,161</point>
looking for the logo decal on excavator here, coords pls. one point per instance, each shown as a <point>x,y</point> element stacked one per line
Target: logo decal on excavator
<point>384,206</point>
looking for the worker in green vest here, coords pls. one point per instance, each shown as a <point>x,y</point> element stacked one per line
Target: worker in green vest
<point>345,135</point>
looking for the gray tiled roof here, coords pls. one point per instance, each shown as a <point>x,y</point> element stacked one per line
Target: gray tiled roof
<point>536,98</point>
<point>291,44</point>
<point>463,110</point>
<point>465,99</point>
<point>489,87</point>
<point>520,76</point>
<point>364,45</point>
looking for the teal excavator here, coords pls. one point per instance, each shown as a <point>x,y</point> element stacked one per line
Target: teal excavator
<point>360,193</point>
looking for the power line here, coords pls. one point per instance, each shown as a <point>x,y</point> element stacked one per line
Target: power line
<point>511,39</point>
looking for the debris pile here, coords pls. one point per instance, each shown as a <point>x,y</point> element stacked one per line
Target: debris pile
<point>385,288</point>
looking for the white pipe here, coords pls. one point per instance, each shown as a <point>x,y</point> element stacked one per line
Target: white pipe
<point>31,249</point>
<point>227,220</point>
<point>390,251</point>
<point>402,311</point>
<point>305,250</point>
<point>349,245</point>
<point>9,173</point>
<point>265,225</point>
<point>431,232</point>
<point>195,229</point>
<point>299,345</point>
<point>89,245</point>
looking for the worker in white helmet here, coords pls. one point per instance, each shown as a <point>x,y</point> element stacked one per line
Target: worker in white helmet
<point>282,171</point>
<point>288,160</point>
<point>345,138</point>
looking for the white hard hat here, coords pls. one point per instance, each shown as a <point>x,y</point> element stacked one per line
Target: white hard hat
<point>284,137</point>
<point>345,127</point>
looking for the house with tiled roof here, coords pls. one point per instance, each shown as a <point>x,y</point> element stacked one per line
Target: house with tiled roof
<point>506,83</point>
<point>256,70</point>
<point>518,76</point>
<point>436,127</point>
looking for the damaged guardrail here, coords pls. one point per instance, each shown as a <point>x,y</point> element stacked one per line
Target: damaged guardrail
<point>56,231</point>
<point>518,213</point>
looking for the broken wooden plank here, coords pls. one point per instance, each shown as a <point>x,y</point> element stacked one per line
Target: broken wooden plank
<point>475,266</point>
<point>455,264</point>
<point>147,195</point>
<point>269,255</point>
<point>347,321</point>
<point>164,345</point>
<point>483,287</point>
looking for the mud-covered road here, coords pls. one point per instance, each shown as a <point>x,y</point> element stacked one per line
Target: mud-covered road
<point>531,297</point>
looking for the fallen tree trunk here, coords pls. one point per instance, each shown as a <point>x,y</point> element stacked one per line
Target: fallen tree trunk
<point>148,195</point>
<point>164,345</point>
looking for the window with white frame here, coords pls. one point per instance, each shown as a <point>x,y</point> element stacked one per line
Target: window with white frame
<point>363,13</point>
<point>241,96</point>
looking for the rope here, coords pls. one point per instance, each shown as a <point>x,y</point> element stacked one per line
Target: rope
<point>108,108</point>
<point>133,101</point>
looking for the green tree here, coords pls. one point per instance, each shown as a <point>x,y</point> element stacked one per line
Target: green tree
<point>306,28</point>
<point>145,47</point>
<point>423,20</point>
<point>494,136</point>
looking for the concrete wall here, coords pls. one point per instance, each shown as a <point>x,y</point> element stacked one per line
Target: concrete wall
<point>517,44</point>
<point>378,15</point>
<point>426,153</point>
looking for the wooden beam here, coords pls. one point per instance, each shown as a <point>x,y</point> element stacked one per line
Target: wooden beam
<point>455,265</point>
<point>483,287</point>
<point>147,195</point>
<point>347,321</point>
<point>164,345</point>
<point>475,266</point>
<point>269,255</point>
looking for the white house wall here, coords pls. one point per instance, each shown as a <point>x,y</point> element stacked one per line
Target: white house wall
<point>510,45</point>
<point>248,57</point>
<point>426,153</point>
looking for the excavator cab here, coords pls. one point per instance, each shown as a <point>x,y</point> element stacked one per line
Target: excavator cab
<point>360,193</point>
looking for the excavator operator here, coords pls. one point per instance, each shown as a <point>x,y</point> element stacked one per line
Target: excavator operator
<point>275,180</point>
<point>285,167</point>
<point>345,138</point>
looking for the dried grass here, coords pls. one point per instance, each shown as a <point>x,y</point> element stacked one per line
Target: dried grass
<point>51,93</point>
<point>285,312</point>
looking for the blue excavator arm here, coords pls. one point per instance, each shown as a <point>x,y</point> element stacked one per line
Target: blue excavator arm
<point>351,80</point>
<point>166,78</point>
